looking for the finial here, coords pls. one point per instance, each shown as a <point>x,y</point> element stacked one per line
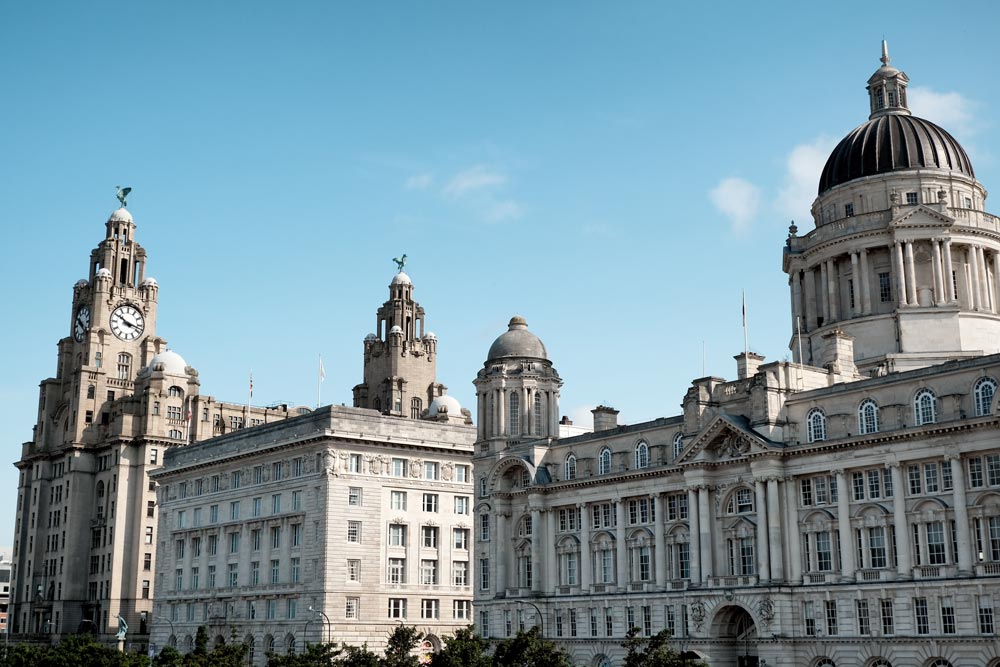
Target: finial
<point>400,262</point>
<point>885,54</point>
<point>122,194</point>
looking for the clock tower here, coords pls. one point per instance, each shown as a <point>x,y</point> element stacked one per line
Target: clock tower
<point>86,510</point>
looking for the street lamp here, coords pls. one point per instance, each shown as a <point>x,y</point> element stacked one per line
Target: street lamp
<point>172,633</point>
<point>329,626</point>
<point>541,618</point>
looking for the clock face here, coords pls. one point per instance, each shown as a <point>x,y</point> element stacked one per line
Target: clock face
<point>81,323</point>
<point>127,322</point>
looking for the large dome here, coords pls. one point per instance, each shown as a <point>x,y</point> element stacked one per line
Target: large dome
<point>169,362</point>
<point>889,143</point>
<point>517,341</point>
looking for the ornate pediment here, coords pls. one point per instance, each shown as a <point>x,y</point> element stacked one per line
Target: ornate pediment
<point>922,216</point>
<point>727,437</point>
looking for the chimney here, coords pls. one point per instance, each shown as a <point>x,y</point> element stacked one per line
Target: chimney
<point>565,421</point>
<point>838,353</point>
<point>605,418</point>
<point>747,364</point>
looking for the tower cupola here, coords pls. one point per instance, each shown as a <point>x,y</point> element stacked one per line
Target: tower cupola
<point>887,89</point>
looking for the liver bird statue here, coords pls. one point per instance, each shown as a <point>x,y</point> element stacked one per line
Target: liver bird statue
<point>122,194</point>
<point>400,262</point>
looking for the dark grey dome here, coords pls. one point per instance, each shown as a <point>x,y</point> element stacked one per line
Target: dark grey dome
<point>517,341</point>
<point>892,142</point>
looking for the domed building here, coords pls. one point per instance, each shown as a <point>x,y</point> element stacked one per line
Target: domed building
<point>840,509</point>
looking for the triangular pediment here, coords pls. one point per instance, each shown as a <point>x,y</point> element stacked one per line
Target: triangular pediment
<point>922,216</point>
<point>727,437</point>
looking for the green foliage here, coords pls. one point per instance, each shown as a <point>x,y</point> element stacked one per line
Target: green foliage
<point>465,649</point>
<point>315,655</point>
<point>400,645</point>
<point>359,656</point>
<point>528,649</point>
<point>656,652</point>
<point>74,651</point>
<point>168,657</point>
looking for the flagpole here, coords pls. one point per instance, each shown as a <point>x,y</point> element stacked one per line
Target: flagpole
<point>246,420</point>
<point>319,383</point>
<point>746,338</point>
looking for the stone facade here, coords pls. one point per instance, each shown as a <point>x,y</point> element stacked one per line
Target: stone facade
<point>840,510</point>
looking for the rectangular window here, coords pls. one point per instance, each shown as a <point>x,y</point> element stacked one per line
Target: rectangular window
<point>234,510</point>
<point>849,211</point>
<point>888,625</point>
<point>461,538</point>
<point>354,496</point>
<point>484,574</point>
<point>397,500</point>
<point>354,531</point>
<point>809,615</point>
<point>354,569</point>
<point>399,467</point>
<point>858,485</point>
<point>985,615</point>
<point>460,572</point>
<point>947,616</point>
<point>256,505</point>
<point>258,474</point>
<point>931,477</point>
<point>820,487</point>
<point>296,570</point>
<point>275,537</point>
<point>462,474</point>
<point>461,505</point>
<point>429,536</point>
<point>397,607</point>
<point>234,543</point>
<point>975,472</point>
<point>354,463</point>
<point>254,573</point>
<point>484,527</point>
<point>885,287</point>
<point>831,617</point>
<point>874,484</point>
<point>352,608</point>
<point>234,575</point>
<point>276,503</point>
<point>911,198</point>
<point>296,534</point>
<point>432,470</point>
<point>864,621</point>
<point>275,571</point>
<point>430,502</point>
<point>946,481</point>
<point>921,616</point>
<point>876,546</point>
<point>913,472</point>
<point>807,495</point>
<point>397,535</point>
<point>428,572</point>
<point>993,469</point>
<point>461,610</point>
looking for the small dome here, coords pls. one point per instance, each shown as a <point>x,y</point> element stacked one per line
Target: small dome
<point>396,330</point>
<point>517,342</point>
<point>370,337</point>
<point>169,362</point>
<point>103,272</point>
<point>451,405</point>
<point>148,282</point>
<point>81,283</point>
<point>893,142</point>
<point>430,335</point>
<point>121,215</point>
<point>401,279</point>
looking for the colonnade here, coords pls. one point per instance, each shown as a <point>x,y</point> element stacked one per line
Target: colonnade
<point>494,407</point>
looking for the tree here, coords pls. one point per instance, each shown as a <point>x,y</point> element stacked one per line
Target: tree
<point>168,657</point>
<point>315,655</point>
<point>656,652</point>
<point>528,649</point>
<point>465,649</point>
<point>359,656</point>
<point>400,646</point>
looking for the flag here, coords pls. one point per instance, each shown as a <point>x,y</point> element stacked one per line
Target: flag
<point>322,371</point>
<point>251,384</point>
<point>744,309</point>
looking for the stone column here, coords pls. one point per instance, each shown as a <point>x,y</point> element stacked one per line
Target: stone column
<point>856,282</point>
<point>866,291</point>
<point>660,538</point>
<point>996,279</point>
<point>501,410</point>
<point>694,533</point>
<point>621,548</point>
<point>962,531</point>
<point>948,271</point>
<point>939,296</point>
<point>586,569</point>
<point>551,562</point>
<point>774,531</point>
<point>792,530</point>
<point>973,273</point>
<point>847,567</point>
<point>553,414</point>
<point>705,524</point>
<point>911,276</point>
<point>984,280</point>
<point>763,551</point>
<point>796,299</point>
<point>537,535</point>
<point>900,274</point>
<point>903,561</point>
<point>813,564</point>
<point>824,292</point>
<point>866,553</point>
<point>810,300</point>
<point>501,552</point>
<point>833,285</point>
<point>525,411</point>
<point>923,553</point>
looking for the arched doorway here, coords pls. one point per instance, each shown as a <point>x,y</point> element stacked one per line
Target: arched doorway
<point>736,635</point>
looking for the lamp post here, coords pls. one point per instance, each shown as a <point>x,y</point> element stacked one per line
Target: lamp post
<point>172,633</point>
<point>541,618</point>
<point>329,626</point>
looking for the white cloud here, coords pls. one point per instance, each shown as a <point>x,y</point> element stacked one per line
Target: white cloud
<point>803,166</point>
<point>952,111</point>
<point>738,200</point>
<point>498,211</point>
<point>420,181</point>
<point>472,180</point>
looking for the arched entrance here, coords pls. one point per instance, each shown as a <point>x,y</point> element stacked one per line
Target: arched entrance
<point>736,635</point>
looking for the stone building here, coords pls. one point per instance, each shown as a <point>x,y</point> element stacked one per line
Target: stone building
<point>338,524</point>
<point>86,508</point>
<point>839,510</point>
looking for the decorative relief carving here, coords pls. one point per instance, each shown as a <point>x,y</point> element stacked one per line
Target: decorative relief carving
<point>447,471</point>
<point>734,445</point>
<point>416,466</point>
<point>698,614</point>
<point>765,611</point>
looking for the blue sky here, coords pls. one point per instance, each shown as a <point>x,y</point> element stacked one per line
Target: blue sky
<point>615,172</point>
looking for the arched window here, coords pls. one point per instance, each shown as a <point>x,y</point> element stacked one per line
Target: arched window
<point>880,662</point>
<point>604,464</point>
<point>939,662</point>
<point>825,662</point>
<point>515,414</point>
<point>483,486</point>
<point>269,644</point>
<point>249,644</point>
<point>868,417</point>
<point>524,528</point>
<point>678,444</point>
<point>816,425</point>
<point>176,434</point>
<point>290,645</point>
<point>175,392</point>
<point>537,417</point>
<point>377,404</point>
<point>90,391</point>
<point>100,491</point>
<point>571,467</point>
<point>525,477</point>
<point>416,407</point>
<point>642,454</point>
<point>983,394</point>
<point>741,502</point>
<point>924,407</point>
<point>124,365</point>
